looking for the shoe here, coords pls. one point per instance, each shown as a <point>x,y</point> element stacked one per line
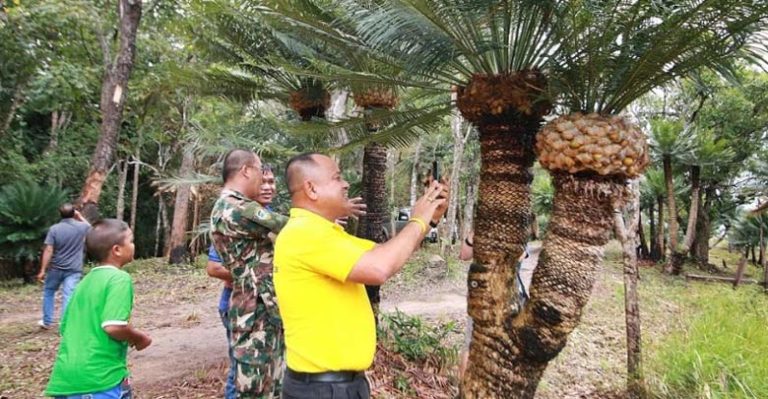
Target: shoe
<point>43,325</point>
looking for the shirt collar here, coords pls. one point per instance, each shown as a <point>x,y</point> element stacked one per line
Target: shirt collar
<point>304,213</point>
<point>228,192</point>
<point>105,267</point>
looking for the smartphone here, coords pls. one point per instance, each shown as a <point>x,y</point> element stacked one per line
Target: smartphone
<point>435,171</point>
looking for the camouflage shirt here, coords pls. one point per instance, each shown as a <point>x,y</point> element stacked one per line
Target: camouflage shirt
<point>240,230</point>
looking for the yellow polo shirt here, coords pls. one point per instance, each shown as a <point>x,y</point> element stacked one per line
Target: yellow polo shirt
<point>329,325</point>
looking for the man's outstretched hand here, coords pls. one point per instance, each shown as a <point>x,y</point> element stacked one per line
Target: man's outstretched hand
<point>444,194</point>
<point>356,207</point>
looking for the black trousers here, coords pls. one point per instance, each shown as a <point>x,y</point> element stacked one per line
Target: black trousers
<point>355,389</point>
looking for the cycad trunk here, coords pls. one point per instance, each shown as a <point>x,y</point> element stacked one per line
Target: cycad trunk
<point>654,255</point>
<point>671,212</point>
<point>375,197</point>
<point>680,253</point>
<point>660,228</point>
<point>178,244</point>
<point>510,350</point>
<point>643,250</point>
<point>700,249</point>
<point>113,94</point>
<point>501,230</point>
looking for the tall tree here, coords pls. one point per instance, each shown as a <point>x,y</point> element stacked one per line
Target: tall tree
<point>113,96</point>
<point>626,233</point>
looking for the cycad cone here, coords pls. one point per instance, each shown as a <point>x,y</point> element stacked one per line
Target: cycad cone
<point>606,145</point>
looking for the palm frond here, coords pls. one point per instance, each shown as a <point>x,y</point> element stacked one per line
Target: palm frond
<point>613,52</point>
<point>398,128</point>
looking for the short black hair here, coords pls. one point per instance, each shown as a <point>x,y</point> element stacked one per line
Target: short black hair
<point>306,158</point>
<point>103,235</point>
<point>266,168</point>
<point>67,210</point>
<point>234,160</point>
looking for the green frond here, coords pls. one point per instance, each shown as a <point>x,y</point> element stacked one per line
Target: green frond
<point>613,52</point>
<point>172,182</point>
<point>399,127</point>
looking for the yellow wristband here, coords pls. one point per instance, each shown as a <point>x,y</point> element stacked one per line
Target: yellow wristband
<point>422,223</point>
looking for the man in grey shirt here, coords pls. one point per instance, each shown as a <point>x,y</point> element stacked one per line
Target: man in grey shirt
<point>64,248</point>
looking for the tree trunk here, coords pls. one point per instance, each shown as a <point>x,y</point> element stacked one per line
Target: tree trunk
<point>375,197</point>
<point>703,228</point>
<point>122,179</point>
<point>660,228</point>
<point>469,207</point>
<point>415,173</point>
<point>180,225</point>
<point>17,102</point>
<point>59,121</point>
<point>135,187</point>
<point>460,137</point>
<point>496,367</point>
<point>671,212</point>
<point>654,243</point>
<point>680,253</point>
<point>113,95</point>
<point>644,253</point>
<point>510,350</point>
<point>625,234</point>
<point>158,223</point>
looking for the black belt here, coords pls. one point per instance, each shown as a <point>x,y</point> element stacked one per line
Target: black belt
<point>328,376</point>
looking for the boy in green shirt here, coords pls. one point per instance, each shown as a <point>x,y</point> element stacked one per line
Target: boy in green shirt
<point>95,333</point>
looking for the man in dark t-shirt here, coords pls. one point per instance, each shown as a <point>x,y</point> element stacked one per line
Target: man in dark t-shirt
<point>64,248</point>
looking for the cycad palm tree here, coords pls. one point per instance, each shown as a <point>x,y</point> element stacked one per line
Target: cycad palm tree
<point>670,141</point>
<point>706,152</point>
<point>510,60</point>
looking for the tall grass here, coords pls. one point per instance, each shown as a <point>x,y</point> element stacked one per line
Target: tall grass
<point>723,351</point>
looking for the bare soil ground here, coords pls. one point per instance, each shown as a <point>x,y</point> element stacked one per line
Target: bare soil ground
<point>177,306</point>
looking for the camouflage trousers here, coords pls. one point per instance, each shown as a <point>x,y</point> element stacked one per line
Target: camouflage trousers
<point>258,347</point>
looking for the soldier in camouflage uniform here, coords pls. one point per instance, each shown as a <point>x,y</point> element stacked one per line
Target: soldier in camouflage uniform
<point>240,229</point>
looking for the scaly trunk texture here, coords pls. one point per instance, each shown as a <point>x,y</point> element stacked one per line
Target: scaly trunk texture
<point>680,253</point>
<point>671,212</point>
<point>113,95</point>
<point>180,222</point>
<point>372,225</point>
<point>503,214</point>
<point>660,228</point>
<point>628,239</point>
<point>510,350</point>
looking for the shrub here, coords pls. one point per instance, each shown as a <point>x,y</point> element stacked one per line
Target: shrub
<point>27,210</point>
<point>416,340</point>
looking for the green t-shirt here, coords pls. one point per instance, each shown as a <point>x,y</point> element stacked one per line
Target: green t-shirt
<point>89,360</point>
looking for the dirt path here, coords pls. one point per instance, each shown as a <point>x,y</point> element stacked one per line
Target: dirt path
<point>191,338</point>
<point>189,346</point>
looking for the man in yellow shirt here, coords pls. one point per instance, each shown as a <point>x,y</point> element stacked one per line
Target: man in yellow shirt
<point>320,273</point>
